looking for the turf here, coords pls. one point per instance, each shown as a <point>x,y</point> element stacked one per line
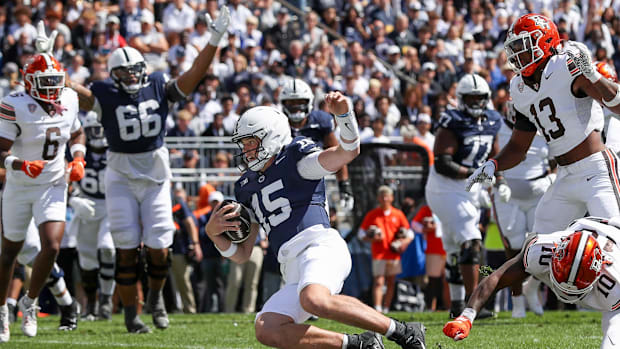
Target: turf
<point>553,330</point>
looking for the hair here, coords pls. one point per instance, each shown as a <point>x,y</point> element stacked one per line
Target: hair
<point>384,189</point>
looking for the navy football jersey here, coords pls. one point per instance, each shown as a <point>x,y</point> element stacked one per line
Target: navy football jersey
<point>133,123</point>
<point>475,136</point>
<point>283,202</point>
<point>318,125</point>
<point>92,183</point>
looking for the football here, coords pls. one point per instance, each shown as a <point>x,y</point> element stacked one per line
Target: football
<point>238,236</point>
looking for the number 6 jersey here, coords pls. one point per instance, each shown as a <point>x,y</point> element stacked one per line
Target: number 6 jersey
<point>563,119</point>
<point>37,135</point>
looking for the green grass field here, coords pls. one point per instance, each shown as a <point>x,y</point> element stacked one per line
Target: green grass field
<point>553,330</point>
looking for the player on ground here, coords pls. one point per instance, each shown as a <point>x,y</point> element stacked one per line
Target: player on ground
<point>465,139</point>
<point>133,107</point>
<point>528,182</point>
<point>581,264</point>
<point>94,242</point>
<point>35,127</point>
<point>297,101</point>
<point>556,93</point>
<point>285,189</point>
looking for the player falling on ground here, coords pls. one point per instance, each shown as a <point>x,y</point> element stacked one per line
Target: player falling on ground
<point>90,223</point>
<point>581,264</point>
<point>556,93</point>
<point>133,108</point>
<point>284,186</point>
<point>35,127</point>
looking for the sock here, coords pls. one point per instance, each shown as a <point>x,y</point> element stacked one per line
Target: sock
<point>378,308</point>
<point>64,299</point>
<point>391,328</point>
<point>60,292</point>
<point>11,301</point>
<point>457,292</point>
<point>345,341</point>
<point>106,286</point>
<point>28,301</point>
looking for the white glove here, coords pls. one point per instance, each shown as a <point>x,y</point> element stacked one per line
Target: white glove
<point>484,174</point>
<point>42,42</point>
<point>218,27</point>
<point>83,208</point>
<point>504,192</point>
<point>541,185</point>
<point>583,60</point>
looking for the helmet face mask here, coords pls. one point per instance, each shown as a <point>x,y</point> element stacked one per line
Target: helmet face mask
<point>475,104</point>
<point>44,78</point>
<point>530,40</point>
<point>296,109</point>
<point>473,94</point>
<point>297,100</point>
<point>127,69</point>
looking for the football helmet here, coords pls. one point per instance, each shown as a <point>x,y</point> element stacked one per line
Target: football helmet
<point>473,94</point>
<point>270,127</point>
<point>44,78</point>
<point>606,70</point>
<point>576,265</point>
<point>128,69</point>
<point>297,100</point>
<point>530,40</point>
<point>93,130</point>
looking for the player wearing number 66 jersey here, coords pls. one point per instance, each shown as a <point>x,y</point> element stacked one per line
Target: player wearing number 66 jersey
<point>133,107</point>
<point>465,139</point>
<point>35,127</point>
<point>580,264</point>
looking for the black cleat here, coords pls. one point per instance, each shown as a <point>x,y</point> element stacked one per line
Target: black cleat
<point>366,340</point>
<point>456,308</point>
<point>485,314</point>
<point>412,335</point>
<point>69,316</point>
<point>91,313</point>
<point>105,307</point>
<point>158,310</point>
<point>133,322</point>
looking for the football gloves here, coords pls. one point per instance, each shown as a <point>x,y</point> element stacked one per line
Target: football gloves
<point>43,43</point>
<point>218,27</point>
<point>76,169</point>
<point>504,192</point>
<point>83,208</point>
<point>346,195</point>
<point>483,174</point>
<point>33,168</point>
<point>583,60</point>
<point>457,329</point>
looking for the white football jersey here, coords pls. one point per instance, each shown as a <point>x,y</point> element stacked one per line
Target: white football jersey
<point>535,163</point>
<point>38,136</point>
<point>561,118</point>
<point>605,296</point>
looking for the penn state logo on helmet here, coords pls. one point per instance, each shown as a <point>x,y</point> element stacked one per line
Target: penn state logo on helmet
<point>242,234</point>
<point>127,69</point>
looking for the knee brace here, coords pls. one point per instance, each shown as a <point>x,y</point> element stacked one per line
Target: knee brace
<point>106,258</point>
<point>127,274</point>
<point>19,272</point>
<point>56,274</point>
<point>471,252</point>
<point>453,274</point>
<point>157,270</point>
<point>89,280</point>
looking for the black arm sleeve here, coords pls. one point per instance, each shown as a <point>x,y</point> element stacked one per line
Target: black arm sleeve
<point>173,92</point>
<point>446,166</point>
<point>522,123</point>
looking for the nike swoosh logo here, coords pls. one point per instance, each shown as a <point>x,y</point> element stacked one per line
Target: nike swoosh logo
<point>346,124</point>
<point>547,76</point>
<point>280,159</point>
<point>589,178</point>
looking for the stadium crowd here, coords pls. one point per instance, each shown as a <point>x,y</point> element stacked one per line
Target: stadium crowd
<point>399,61</point>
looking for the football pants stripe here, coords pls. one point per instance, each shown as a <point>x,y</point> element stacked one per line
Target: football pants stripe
<point>612,168</point>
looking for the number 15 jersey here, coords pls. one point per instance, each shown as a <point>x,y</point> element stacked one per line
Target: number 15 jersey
<point>37,135</point>
<point>563,119</point>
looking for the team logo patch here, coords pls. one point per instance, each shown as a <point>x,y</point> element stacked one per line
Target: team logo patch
<point>244,182</point>
<point>32,107</point>
<point>521,86</point>
<point>261,179</point>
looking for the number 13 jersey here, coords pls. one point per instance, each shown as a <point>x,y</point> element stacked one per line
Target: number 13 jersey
<point>37,135</point>
<point>562,118</point>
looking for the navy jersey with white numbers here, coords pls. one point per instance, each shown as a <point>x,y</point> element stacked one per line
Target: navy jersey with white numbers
<point>283,202</point>
<point>475,136</point>
<point>92,183</point>
<point>318,125</point>
<point>133,123</point>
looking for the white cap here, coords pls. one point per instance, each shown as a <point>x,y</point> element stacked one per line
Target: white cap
<point>468,37</point>
<point>429,66</point>
<point>147,16</point>
<point>393,49</point>
<point>423,117</point>
<point>216,196</point>
<point>112,19</point>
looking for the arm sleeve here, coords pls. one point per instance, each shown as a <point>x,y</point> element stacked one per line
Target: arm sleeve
<point>8,129</point>
<point>447,167</point>
<point>522,123</point>
<point>310,168</point>
<point>173,93</point>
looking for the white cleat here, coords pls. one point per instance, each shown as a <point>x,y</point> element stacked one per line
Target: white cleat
<point>518,307</point>
<point>5,334</point>
<point>29,316</point>
<point>530,291</point>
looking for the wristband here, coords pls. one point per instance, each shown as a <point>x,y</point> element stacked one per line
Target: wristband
<point>614,101</point>
<point>229,252</point>
<point>494,163</point>
<point>470,314</point>
<point>8,162</point>
<point>78,147</point>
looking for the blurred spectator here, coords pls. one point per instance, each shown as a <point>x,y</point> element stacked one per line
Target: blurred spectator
<point>181,129</point>
<point>77,71</point>
<point>22,25</point>
<point>53,21</point>
<point>131,19</point>
<point>388,112</point>
<point>151,43</point>
<point>216,128</point>
<point>378,40</point>
<point>283,32</point>
<point>423,125</point>
<point>238,16</point>
<point>251,32</point>
<point>9,82</point>
<point>178,16</point>
<point>295,61</point>
<point>313,35</point>
<point>244,99</point>
<point>84,34</point>
<point>221,160</point>
<point>200,36</point>
<point>113,37</point>
<point>182,54</point>
<point>387,228</point>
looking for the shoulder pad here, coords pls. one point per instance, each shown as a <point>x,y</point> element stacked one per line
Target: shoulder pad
<point>449,117</point>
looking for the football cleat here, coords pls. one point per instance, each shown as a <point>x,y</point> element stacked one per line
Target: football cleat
<point>69,316</point>
<point>29,316</point>
<point>105,307</point>
<point>366,340</point>
<point>5,333</point>
<point>158,310</point>
<point>133,322</point>
<point>91,313</point>
<point>456,308</point>
<point>413,336</point>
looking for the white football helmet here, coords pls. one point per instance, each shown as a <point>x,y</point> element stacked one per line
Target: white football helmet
<point>473,94</point>
<point>297,89</point>
<point>93,130</point>
<point>128,69</point>
<point>270,126</point>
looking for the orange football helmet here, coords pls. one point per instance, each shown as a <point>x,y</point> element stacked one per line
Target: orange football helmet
<point>606,70</point>
<point>44,78</point>
<point>576,265</point>
<point>530,40</point>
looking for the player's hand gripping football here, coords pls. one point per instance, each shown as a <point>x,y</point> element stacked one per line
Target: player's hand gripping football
<point>76,169</point>
<point>43,43</point>
<point>583,60</point>
<point>483,174</point>
<point>220,220</point>
<point>34,168</point>
<point>458,328</point>
<point>218,27</point>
